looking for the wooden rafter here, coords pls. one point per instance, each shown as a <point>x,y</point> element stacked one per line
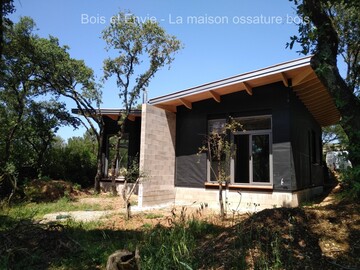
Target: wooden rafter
<point>248,88</point>
<point>284,79</point>
<point>215,96</point>
<point>186,103</point>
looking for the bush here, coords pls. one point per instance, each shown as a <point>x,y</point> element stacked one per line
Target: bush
<point>46,191</point>
<point>350,181</point>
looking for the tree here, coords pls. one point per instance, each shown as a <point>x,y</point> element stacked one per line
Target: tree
<point>334,135</point>
<point>74,161</point>
<point>6,8</point>
<point>37,67</point>
<point>220,150</point>
<point>331,29</point>
<point>142,48</point>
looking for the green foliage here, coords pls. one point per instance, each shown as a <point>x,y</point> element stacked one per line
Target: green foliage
<point>142,48</point>
<point>75,161</point>
<point>36,69</point>
<point>350,180</point>
<point>331,31</point>
<point>38,210</point>
<point>344,17</point>
<point>334,135</point>
<point>174,247</point>
<point>73,245</point>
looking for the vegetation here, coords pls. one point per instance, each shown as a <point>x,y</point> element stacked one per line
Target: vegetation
<point>331,31</point>
<point>35,69</point>
<point>142,48</point>
<point>219,151</point>
<point>280,238</point>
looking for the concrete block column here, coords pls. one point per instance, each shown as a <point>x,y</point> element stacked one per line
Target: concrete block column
<point>157,156</point>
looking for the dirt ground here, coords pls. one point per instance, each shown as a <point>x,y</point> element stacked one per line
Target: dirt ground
<point>322,235</point>
<point>325,234</point>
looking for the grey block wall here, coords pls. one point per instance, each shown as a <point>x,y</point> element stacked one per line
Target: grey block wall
<point>157,156</point>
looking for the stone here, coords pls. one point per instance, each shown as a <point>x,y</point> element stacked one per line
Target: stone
<point>123,260</point>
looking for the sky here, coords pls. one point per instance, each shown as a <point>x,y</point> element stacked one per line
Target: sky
<point>220,38</point>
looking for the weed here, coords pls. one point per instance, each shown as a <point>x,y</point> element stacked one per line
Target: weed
<point>153,216</point>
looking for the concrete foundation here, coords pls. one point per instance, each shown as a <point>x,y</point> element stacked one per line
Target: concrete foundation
<point>242,200</point>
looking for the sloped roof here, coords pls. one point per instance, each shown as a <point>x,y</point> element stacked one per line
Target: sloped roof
<point>298,73</point>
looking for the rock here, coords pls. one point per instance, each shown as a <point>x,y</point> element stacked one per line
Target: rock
<point>123,260</point>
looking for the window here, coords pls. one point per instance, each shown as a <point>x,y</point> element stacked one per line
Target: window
<point>252,160</point>
<point>313,148</point>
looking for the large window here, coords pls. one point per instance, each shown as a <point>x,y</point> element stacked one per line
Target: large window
<point>252,160</point>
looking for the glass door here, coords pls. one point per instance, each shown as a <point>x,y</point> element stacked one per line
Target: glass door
<point>252,161</point>
<point>260,158</point>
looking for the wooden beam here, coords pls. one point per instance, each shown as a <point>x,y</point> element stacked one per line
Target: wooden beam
<point>215,96</point>
<point>114,117</point>
<point>186,103</point>
<point>131,117</point>
<point>301,77</point>
<point>248,88</point>
<point>284,79</point>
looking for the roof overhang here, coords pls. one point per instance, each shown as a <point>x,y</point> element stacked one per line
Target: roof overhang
<point>113,113</point>
<point>296,74</point>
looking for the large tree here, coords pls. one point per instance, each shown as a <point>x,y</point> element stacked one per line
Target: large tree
<point>37,68</point>
<point>331,32</point>
<point>140,49</point>
<point>7,7</point>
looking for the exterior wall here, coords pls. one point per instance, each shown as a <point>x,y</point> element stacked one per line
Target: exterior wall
<point>192,127</point>
<point>157,156</point>
<point>307,172</point>
<point>248,201</point>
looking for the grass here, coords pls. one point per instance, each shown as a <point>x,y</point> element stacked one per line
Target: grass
<point>70,245</point>
<point>271,239</point>
<point>38,210</point>
<point>75,245</point>
<point>153,216</point>
<point>174,247</point>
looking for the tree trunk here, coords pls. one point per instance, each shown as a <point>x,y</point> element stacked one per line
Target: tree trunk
<point>99,166</point>
<point>324,64</point>
<point>221,201</point>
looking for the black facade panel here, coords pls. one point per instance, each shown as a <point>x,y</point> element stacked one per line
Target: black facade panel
<point>193,170</point>
<point>305,143</point>
<point>191,129</point>
<point>282,166</point>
